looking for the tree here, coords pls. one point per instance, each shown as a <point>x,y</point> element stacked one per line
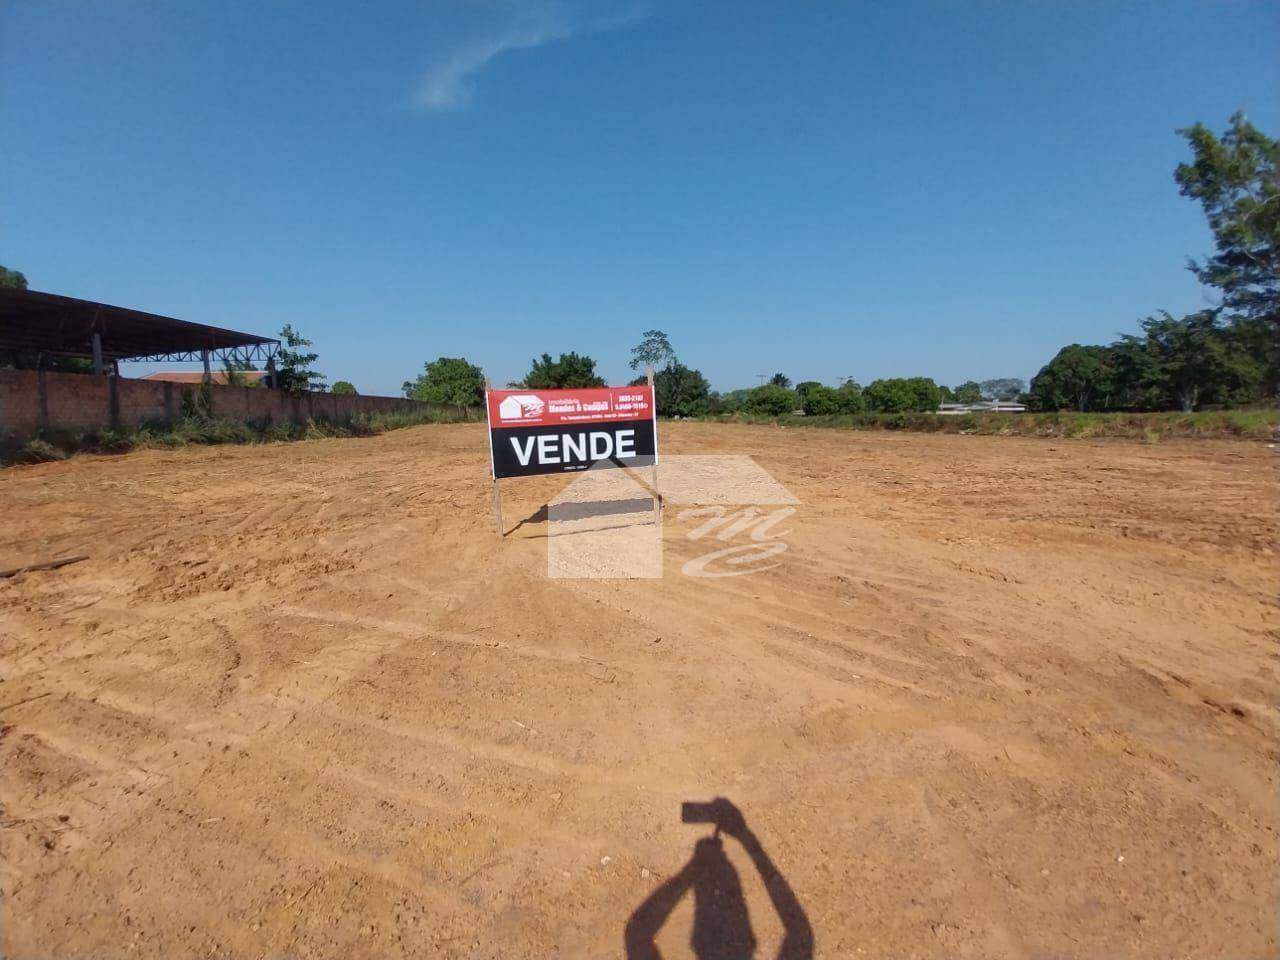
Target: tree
<point>771,399</point>
<point>1194,359</point>
<point>233,373</point>
<point>1073,378</point>
<point>654,349</point>
<point>821,401</point>
<point>802,391</point>
<point>851,398</point>
<point>1134,382</point>
<point>450,380</point>
<point>734,401</point>
<point>12,278</point>
<point>680,391</point>
<point>571,370</point>
<point>345,388</point>
<point>1002,388</point>
<point>294,372</point>
<point>968,392</point>
<point>888,396</point>
<point>35,360</point>
<point>903,395</point>
<point>780,380</point>
<point>1236,179</point>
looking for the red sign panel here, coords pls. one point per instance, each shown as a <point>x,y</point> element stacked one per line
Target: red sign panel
<point>532,408</point>
<point>555,431</point>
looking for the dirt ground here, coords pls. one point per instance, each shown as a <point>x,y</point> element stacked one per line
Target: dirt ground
<point>998,697</point>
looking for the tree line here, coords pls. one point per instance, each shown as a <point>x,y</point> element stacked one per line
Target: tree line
<point>681,391</point>
<point>1180,362</point>
<point>1226,355</point>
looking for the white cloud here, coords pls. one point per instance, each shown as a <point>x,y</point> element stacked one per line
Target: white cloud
<point>448,83</point>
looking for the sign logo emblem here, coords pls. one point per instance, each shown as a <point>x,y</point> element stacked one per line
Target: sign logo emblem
<point>520,406</point>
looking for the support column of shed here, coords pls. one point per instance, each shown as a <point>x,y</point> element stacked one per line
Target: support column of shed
<point>206,387</point>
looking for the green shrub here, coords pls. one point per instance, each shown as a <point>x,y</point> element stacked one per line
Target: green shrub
<point>851,399</point>
<point>903,395</point>
<point>114,441</point>
<point>820,401</point>
<point>771,400</point>
<point>281,432</point>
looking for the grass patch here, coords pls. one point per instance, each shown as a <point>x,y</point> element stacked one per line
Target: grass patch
<point>201,431</point>
<point>37,450</point>
<point>1253,424</point>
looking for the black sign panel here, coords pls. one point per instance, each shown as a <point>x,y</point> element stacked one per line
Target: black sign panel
<point>566,447</point>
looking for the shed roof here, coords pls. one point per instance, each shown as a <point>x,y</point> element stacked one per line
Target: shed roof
<point>50,323</point>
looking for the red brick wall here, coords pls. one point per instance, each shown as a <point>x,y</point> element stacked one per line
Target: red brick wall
<point>143,401</point>
<point>19,405</point>
<point>72,405</point>
<point>31,401</point>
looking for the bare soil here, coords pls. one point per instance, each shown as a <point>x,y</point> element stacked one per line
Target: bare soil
<point>1000,697</point>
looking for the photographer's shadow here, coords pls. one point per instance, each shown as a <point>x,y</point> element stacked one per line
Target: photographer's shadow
<point>721,925</point>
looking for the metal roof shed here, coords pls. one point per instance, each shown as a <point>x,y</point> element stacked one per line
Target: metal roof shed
<point>36,322</point>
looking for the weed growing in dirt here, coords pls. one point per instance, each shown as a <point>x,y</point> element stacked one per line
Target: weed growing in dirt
<point>37,450</point>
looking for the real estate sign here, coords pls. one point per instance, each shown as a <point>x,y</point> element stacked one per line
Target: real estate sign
<point>558,431</point>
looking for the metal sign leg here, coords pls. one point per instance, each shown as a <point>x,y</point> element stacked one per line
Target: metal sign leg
<point>657,497</point>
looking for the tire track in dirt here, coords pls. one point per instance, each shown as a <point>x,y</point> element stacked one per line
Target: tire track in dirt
<point>333,715</point>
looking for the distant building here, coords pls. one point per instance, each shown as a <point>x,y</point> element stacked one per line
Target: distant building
<point>217,377</point>
<point>982,406</point>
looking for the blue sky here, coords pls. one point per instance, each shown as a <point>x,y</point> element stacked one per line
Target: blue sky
<point>944,189</point>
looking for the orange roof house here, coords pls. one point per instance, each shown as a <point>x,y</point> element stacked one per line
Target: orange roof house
<point>217,377</point>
